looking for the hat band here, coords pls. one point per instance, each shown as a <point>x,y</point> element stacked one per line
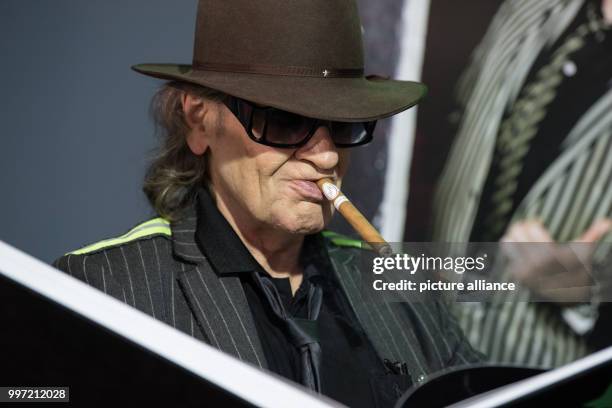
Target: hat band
<point>280,70</point>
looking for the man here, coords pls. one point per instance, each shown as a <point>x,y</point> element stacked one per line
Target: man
<point>236,257</point>
<point>532,163</point>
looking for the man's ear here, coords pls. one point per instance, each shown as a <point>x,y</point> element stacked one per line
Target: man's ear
<point>194,111</point>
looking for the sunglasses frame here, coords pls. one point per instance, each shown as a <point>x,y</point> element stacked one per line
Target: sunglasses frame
<point>233,102</point>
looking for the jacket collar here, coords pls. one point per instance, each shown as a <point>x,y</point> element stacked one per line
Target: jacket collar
<point>184,245</point>
<point>203,235</point>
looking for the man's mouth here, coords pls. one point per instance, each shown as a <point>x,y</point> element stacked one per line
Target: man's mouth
<point>307,189</point>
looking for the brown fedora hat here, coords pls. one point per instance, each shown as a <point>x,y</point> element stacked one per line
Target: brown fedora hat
<point>302,56</point>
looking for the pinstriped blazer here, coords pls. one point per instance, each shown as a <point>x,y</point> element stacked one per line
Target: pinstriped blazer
<point>572,193</point>
<point>158,268</point>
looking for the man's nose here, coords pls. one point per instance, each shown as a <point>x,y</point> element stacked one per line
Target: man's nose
<point>320,150</point>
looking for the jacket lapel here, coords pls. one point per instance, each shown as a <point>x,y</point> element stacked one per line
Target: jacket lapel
<point>218,304</point>
<point>389,329</point>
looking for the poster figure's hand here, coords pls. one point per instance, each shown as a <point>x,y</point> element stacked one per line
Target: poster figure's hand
<point>557,273</point>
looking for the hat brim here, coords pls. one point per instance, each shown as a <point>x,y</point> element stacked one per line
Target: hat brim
<point>339,99</point>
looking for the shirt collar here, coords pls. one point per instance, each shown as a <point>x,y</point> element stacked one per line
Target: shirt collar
<point>228,255</point>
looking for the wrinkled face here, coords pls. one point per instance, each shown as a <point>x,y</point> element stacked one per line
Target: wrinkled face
<point>268,186</point>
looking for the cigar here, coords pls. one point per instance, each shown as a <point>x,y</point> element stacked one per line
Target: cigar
<point>354,217</point>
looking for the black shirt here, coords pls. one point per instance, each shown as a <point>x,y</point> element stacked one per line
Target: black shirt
<point>351,371</point>
<point>589,79</point>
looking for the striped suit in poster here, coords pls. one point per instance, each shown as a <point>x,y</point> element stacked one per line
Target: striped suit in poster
<point>572,193</point>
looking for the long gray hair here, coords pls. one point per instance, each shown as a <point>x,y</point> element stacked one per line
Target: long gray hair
<point>175,172</point>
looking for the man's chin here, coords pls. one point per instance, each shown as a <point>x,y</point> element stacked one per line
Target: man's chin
<point>305,218</point>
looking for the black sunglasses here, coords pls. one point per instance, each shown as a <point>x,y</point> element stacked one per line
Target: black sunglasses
<point>278,128</point>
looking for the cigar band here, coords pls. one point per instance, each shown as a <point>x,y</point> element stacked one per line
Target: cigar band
<point>330,191</point>
<point>339,201</point>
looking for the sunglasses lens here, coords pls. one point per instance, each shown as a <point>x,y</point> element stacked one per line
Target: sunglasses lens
<point>347,134</point>
<point>258,124</point>
<point>280,127</point>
